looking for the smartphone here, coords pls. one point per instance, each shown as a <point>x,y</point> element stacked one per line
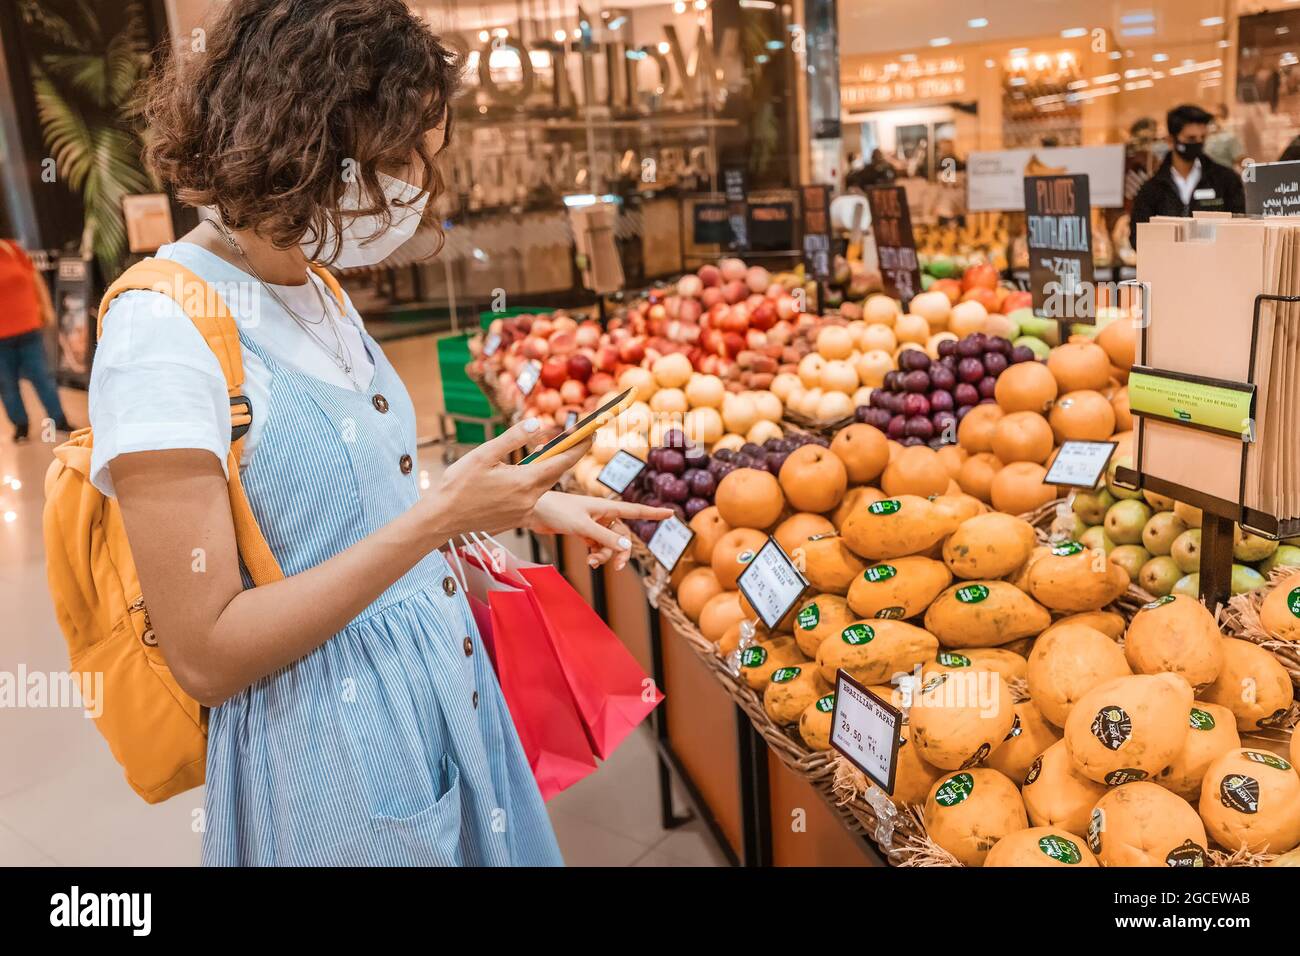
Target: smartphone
<point>584,428</point>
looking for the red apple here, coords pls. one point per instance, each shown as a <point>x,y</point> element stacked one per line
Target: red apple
<point>710,297</point>
<point>607,357</point>
<point>535,348</point>
<point>733,343</point>
<point>542,326</point>
<point>555,371</point>
<point>984,296</point>
<point>690,286</point>
<point>600,383</point>
<point>734,291</point>
<point>580,367</point>
<point>757,278</point>
<point>548,400</point>
<point>588,335</point>
<point>690,311</point>
<point>573,392</point>
<point>732,269</point>
<point>632,351</point>
<point>710,276</point>
<point>563,341</point>
<point>982,276</point>
<point>763,316</point>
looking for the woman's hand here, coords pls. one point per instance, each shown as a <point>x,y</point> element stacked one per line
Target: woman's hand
<point>589,518</point>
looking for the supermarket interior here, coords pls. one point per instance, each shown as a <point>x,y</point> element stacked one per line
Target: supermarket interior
<point>915,520</point>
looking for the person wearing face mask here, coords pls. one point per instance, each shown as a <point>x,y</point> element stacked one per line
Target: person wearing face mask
<point>354,716</point>
<point>1187,181</point>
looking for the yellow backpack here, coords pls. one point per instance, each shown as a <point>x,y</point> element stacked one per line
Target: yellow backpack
<point>157,732</point>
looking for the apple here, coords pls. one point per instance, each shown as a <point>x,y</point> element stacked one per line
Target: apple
<point>763,316</point>
<point>734,291</point>
<point>690,286</point>
<point>606,357</point>
<point>690,311</point>
<point>548,400</point>
<point>573,393</point>
<point>555,371</point>
<point>757,278</point>
<point>981,276</point>
<point>535,348</point>
<point>732,269</point>
<point>632,350</point>
<point>710,276</point>
<point>588,335</point>
<point>542,326</point>
<point>786,307</point>
<point>710,297</point>
<point>580,367</point>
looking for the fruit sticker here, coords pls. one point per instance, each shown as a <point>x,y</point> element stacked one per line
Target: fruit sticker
<point>881,572</point>
<point>1200,719</point>
<point>826,704</point>
<point>1293,602</point>
<point>1067,548</point>
<point>856,634</point>
<point>1187,853</point>
<point>809,617</point>
<point>1096,823</point>
<point>977,757</point>
<point>894,613</point>
<point>1167,599</point>
<point>954,790</point>
<point>1060,849</point>
<point>972,593</point>
<point>1124,775</point>
<point>1268,760</point>
<point>784,674</point>
<point>1240,792</point>
<point>753,656</point>
<point>952,659</point>
<point>1035,769</point>
<point>890,506</point>
<point>1112,726</point>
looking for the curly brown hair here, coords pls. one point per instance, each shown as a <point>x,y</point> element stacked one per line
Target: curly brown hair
<point>289,97</point>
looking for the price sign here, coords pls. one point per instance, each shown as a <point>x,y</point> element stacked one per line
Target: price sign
<point>891,223</point>
<point>620,471</point>
<point>771,583</point>
<point>734,188</point>
<point>528,376</point>
<point>866,729</point>
<point>1272,189</point>
<point>1080,464</point>
<point>1059,220</point>
<point>670,541</point>
<point>817,231</point>
<point>570,420</point>
<point>491,345</point>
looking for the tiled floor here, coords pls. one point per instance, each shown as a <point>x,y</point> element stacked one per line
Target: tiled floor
<point>62,796</point>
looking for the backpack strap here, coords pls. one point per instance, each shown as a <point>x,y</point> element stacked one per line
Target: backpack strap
<point>208,311</point>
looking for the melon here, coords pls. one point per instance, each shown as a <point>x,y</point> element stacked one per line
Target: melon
<point>1041,846</point>
<point>1211,732</point>
<point>990,545</point>
<point>719,613</point>
<point>790,690</point>
<point>1250,799</point>
<point>1280,613</point>
<point>873,652</point>
<point>1082,416</point>
<point>1025,387</point>
<point>1029,736</point>
<point>749,498</point>
<point>1141,824</point>
<point>984,614</point>
<point>1075,578</point>
<point>1067,661</point>
<point>892,527</point>
<point>1009,664</point>
<point>813,479</point>
<point>977,473</point>
<point>1079,365</point>
<point>916,471</point>
<point>960,717</point>
<point>1022,436</point>
<point>900,588</point>
<point>829,564</point>
<point>791,533</point>
<point>969,812</point>
<point>863,449</point>
<point>709,529</point>
<point>818,618</point>
<point>733,552</point>
<point>1252,684</point>
<point>1129,728</point>
<point>975,433</point>
<point>762,658</point>
<point>695,591</point>
<point>1056,795</point>
<point>1175,633</point>
<point>1018,488</point>
<point>815,723</point>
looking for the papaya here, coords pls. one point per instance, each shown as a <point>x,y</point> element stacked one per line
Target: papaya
<point>1067,661</point>
<point>1175,633</point>
<point>1110,623</point>
<point>1056,795</point>
<point>953,509</point>
<point>1279,615</point>
<point>1211,732</point>
<point>913,778</point>
<point>1041,846</point>
<point>959,718</point>
<point>852,498</point>
<point>1252,684</point>
<point>790,690</point>
<point>892,527</point>
<point>760,659</point>
<point>1075,578</point>
<point>968,812</point>
<point>1020,577</point>
<point>817,619</point>
<point>1140,824</point>
<point>1029,736</point>
<point>984,614</point>
<point>828,564</point>
<point>1250,799</point>
<point>1129,728</point>
<point>990,545</point>
<point>899,588</point>
<point>1009,664</point>
<point>872,652</point>
<point>815,722</point>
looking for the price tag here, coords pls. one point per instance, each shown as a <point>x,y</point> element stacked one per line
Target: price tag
<point>771,583</point>
<point>491,345</point>
<point>670,541</point>
<point>1080,464</point>
<point>866,729</point>
<point>570,420</point>
<point>620,471</point>
<point>528,376</point>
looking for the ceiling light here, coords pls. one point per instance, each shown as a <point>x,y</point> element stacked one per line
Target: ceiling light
<point>979,23</point>
<point>1212,21</point>
<point>1072,32</point>
<point>940,41</point>
<point>1159,57</point>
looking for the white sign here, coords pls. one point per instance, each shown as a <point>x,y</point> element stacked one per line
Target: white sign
<point>670,541</point>
<point>771,583</point>
<point>528,376</point>
<point>492,344</point>
<point>1080,464</point>
<point>866,730</point>
<point>995,181</point>
<point>620,471</point>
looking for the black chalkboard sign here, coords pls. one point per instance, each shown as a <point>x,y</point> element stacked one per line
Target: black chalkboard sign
<point>817,231</point>
<point>891,225</point>
<point>1058,217</point>
<point>1272,189</point>
<point>737,193</point>
<point>712,225</point>
<point>771,225</point>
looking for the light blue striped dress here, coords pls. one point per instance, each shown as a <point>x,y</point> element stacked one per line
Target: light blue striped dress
<point>390,744</point>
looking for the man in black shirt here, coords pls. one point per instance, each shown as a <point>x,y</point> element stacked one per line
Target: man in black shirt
<point>1187,181</point>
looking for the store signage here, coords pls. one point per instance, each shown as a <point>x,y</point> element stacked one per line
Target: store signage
<point>893,83</point>
<point>1080,464</point>
<point>817,231</point>
<point>1272,189</point>
<point>772,584</point>
<point>891,223</point>
<point>74,304</point>
<point>1058,218</point>
<point>712,224</point>
<point>670,541</point>
<point>492,343</point>
<point>528,376</point>
<point>994,180</point>
<point>620,471</point>
<point>771,226</point>
<point>867,730</point>
<point>737,193</point>
<point>1209,404</point>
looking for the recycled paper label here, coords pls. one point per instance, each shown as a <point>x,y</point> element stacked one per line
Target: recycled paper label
<point>1219,408</point>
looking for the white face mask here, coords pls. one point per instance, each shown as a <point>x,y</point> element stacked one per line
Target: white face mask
<point>359,246</point>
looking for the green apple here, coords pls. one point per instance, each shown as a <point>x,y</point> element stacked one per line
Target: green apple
<point>1091,506</point>
<point>1189,584</point>
<point>1246,579</point>
<point>1161,531</point>
<point>1249,547</point>
<point>1286,556</point>
<point>1130,557</point>
<point>1159,575</point>
<point>1125,521</point>
<point>1095,537</point>
<point>1186,550</point>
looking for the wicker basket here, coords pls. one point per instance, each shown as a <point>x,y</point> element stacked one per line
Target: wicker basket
<point>1241,619</point>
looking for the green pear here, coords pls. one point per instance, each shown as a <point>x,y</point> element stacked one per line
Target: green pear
<point>1286,556</point>
<point>1159,575</point>
<point>1095,537</point>
<point>1125,521</point>
<point>1130,557</point>
<point>1158,502</point>
<point>1116,490</point>
<point>1091,506</point>
<point>1246,579</point>
<point>1248,547</point>
<point>1160,532</point>
<point>1186,551</point>
<point>1189,584</point>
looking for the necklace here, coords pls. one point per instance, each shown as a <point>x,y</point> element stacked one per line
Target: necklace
<point>339,353</point>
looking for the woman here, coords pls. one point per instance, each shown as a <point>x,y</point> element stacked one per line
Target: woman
<point>355,718</point>
<point>25,308</point>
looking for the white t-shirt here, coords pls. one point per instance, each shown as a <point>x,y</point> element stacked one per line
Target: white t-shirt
<point>1187,186</point>
<point>156,385</point>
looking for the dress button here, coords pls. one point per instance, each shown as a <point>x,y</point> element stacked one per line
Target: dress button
<point>380,403</point>
<point>406,464</point>
<point>474,700</point>
<point>449,586</point>
<point>469,647</point>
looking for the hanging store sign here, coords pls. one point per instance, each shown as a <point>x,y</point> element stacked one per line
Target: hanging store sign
<point>995,180</point>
